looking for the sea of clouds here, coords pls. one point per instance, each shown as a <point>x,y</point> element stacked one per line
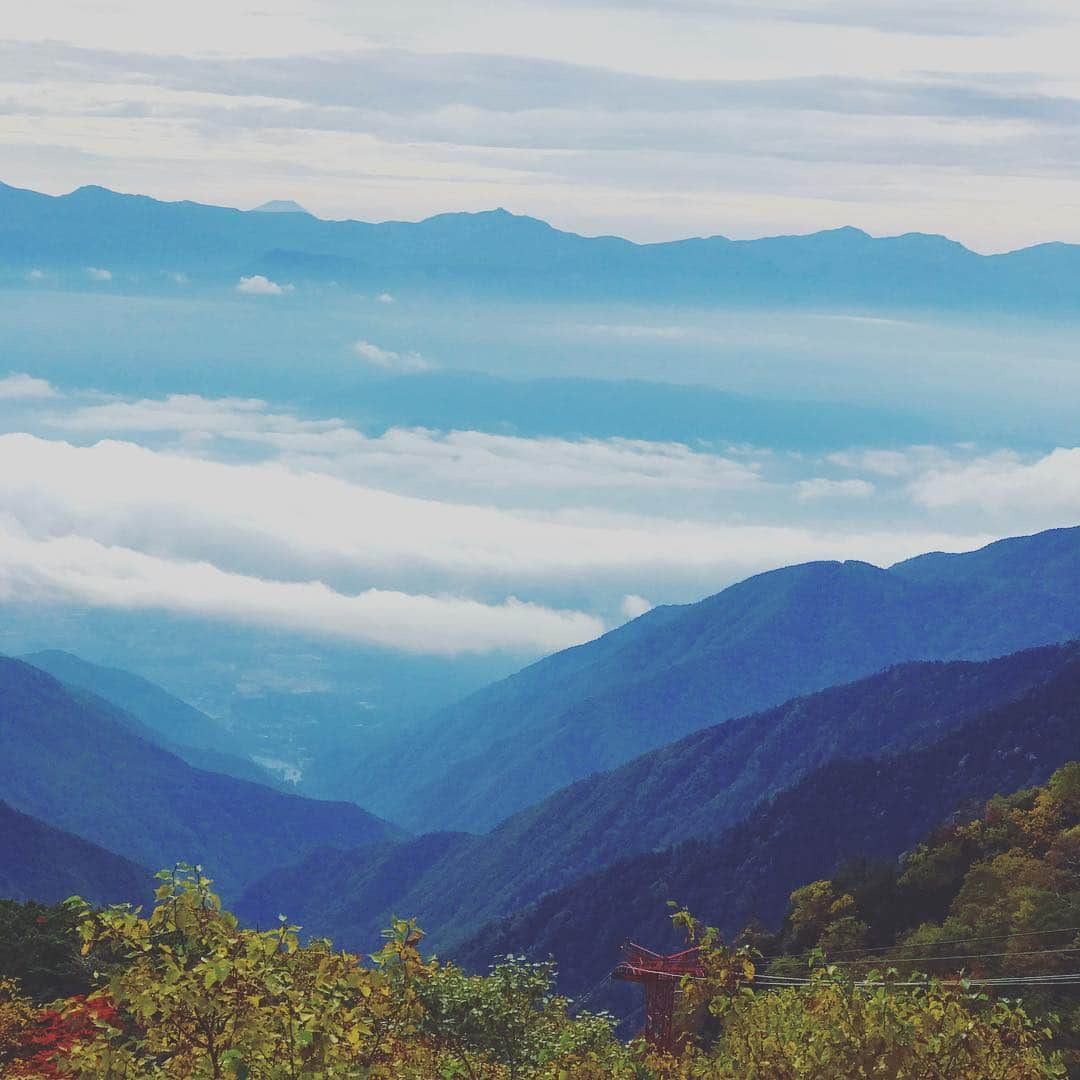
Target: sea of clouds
<point>451,542</point>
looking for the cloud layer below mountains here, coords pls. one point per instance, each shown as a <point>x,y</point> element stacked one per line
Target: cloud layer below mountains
<point>450,542</point>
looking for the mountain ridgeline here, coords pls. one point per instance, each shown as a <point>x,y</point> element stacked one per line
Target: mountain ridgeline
<point>719,754</point>
<point>156,715</point>
<point>77,765</point>
<point>699,788</point>
<point>677,670</point>
<point>850,809</point>
<point>499,253</point>
<point>48,865</point>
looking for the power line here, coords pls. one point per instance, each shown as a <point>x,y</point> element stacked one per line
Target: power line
<point>580,1002</point>
<point>961,941</point>
<point>1049,979</point>
<point>958,956</point>
<point>777,982</point>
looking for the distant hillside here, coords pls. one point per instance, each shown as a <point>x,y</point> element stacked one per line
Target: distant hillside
<point>872,808</point>
<point>159,717</point>
<point>694,788</point>
<point>349,895</point>
<point>168,716</point>
<point>80,768</point>
<point>497,252</point>
<point>677,670</point>
<point>38,862</point>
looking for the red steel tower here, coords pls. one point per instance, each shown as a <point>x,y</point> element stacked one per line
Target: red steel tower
<point>660,976</point>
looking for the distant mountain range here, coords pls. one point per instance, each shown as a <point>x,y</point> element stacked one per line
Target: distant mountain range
<point>873,808</point>
<point>696,788</point>
<point>496,252</point>
<point>737,799</point>
<point>158,716</point>
<point>79,765</point>
<point>677,670</point>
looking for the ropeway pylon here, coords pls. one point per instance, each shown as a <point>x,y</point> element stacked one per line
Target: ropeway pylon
<point>660,977</point>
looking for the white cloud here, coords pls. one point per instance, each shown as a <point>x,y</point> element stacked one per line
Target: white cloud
<point>20,387</point>
<point>421,461</point>
<point>269,520</point>
<point>97,273</point>
<point>35,275</point>
<point>631,330</point>
<point>448,109</point>
<point>634,606</point>
<point>504,463</point>
<point>868,320</point>
<point>891,463</point>
<point>80,570</point>
<point>187,415</point>
<point>303,522</point>
<point>257,285</point>
<point>1033,494</point>
<point>178,278</point>
<point>387,358</point>
<point>385,298</point>
<point>820,487</point>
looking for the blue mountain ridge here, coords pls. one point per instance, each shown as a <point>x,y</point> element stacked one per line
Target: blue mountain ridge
<point>679,669</point>
<point>502,253</point>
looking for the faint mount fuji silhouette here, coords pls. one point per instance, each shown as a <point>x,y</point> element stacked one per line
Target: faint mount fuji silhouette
<point>281,206</point>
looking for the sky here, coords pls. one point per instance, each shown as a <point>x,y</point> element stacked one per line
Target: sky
<point>652,119</point>
<point>182,482</point>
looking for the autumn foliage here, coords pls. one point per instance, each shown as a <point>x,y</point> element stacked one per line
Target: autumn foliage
<point>185,992</point>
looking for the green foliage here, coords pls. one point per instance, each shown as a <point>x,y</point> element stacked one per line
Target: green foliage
<point>994,896</point>
<point>16,1015</point>
<point>39,946</point>
<point>832,1029</point>
<point>510,1017</point>
<point>185,993</point>
<point>836,1026</point>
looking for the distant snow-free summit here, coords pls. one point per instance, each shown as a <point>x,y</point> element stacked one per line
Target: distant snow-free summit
<point>499,254</point>
<point>281,206</point>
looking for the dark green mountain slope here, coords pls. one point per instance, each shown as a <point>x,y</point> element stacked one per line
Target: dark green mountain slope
<point>353,893</point>
<point>38,862</point>
<point>80,768</point>
<point>697,787</point>
<point>680,669</point>
<point>872,808</point>
<point>159,717</point>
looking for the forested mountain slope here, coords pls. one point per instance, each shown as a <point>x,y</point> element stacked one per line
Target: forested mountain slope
<point>159,717</point>
<point>695,788</point>
<point>80,768</point>
<point>166,715</point>
<point>352,895</point>
<point>677,670</point>
<point>847,809</point>
<point>38,862</point>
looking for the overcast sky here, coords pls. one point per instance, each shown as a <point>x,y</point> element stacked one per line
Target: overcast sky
<point>649,118</point>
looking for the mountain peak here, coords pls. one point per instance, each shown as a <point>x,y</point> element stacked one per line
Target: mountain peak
<point>280,206</point>
<point>93,191</point>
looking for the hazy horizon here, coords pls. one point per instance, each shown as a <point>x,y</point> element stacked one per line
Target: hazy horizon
<point>485,210</point>
<point>654,119</point>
